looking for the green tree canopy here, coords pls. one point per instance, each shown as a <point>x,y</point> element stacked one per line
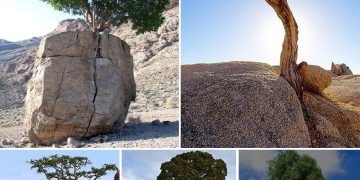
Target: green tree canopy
<point>289,165</point>
<point>193,165</point>
<point>69,168</point>
<point>146,15</point>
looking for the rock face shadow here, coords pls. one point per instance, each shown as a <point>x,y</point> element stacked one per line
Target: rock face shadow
<point>146,130</point>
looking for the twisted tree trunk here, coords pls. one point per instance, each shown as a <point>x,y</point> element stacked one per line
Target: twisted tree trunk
<point>288,67</point>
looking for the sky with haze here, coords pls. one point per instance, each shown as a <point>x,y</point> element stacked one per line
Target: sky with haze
<point>243,30</point>
<point>24,19</point>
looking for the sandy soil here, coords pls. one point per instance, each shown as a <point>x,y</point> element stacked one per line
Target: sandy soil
<point>139,132</point>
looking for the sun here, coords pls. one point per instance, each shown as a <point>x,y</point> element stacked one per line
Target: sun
<point>272,36</point>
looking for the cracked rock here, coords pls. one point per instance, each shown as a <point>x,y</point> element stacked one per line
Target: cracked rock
<point>82,86</point>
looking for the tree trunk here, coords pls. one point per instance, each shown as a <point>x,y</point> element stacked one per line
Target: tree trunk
<point>288,67</point>
<point>117,175</point>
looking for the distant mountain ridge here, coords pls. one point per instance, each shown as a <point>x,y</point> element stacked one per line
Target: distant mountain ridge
<point>11,51</point>
<point>8,45</point>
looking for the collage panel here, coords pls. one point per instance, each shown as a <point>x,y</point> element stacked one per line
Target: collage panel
<point>179,89</point>
<point>71,79</point>
<point>178,164</point>
<point>299,164</point>
<point>270,74</point>
<point>59,164</point>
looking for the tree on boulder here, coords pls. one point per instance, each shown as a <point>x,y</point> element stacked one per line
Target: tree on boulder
<point>193,165</point>
<point>145,15</point>
<point>289,165</point>
<point>288,68</point>
<point>66,167</point>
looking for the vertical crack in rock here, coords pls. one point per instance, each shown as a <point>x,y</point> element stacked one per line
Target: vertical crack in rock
<point>58,91</point>
<point>94,79</point>
<point>93,101</point>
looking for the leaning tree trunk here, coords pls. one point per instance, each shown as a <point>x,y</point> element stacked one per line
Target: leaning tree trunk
<point>288,67</point>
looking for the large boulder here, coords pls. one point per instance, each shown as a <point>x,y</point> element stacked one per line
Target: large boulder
<point>76,91</point>
<point>316,79</point>
<point>239,104</point>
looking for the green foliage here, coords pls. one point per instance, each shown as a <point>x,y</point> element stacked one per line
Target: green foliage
<point>146,15</point>
<point>66,167</point>
<point>289,165</point>
<point>193,165</point>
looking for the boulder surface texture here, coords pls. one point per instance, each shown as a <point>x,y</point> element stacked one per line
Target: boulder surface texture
<point>239,104</point>
<point>316,79</point>
<point>82,86</point>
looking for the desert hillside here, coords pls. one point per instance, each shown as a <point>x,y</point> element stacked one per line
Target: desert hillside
<point>156,61</point>
<point>247,104</point>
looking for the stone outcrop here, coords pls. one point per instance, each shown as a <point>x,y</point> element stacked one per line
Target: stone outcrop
<point>316,79</point>
<point>346,90</point>
<point>76,91</point>
<point>239,104</point>
<point>71,25</point>
<point>340,69</point>
<point>330,124</point>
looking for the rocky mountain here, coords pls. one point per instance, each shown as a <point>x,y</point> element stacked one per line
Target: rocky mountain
<point>156,58</point>
<point>11,51</point>
<point>16,63</point>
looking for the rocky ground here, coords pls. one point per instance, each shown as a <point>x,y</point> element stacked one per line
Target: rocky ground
<point>153,119</point>
<point>159,128</point>
<point>247,104</point>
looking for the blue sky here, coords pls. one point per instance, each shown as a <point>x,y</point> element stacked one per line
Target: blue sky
<point>215,31</point>
<point>145,164</point>
<point>13,162</point>
<point>335,165</point>
<point>24,19</point>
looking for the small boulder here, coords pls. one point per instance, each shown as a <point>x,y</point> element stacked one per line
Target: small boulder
<point>55,145</point>
<point>72,143</point>
<point>24,141</point>
<point>156,122</point>
<point>316,79</point>
<point>7,142</point>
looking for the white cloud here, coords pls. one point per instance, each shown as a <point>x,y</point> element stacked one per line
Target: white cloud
<point>256,160</point>
<point>329,161</point>
<point>128,174</point>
